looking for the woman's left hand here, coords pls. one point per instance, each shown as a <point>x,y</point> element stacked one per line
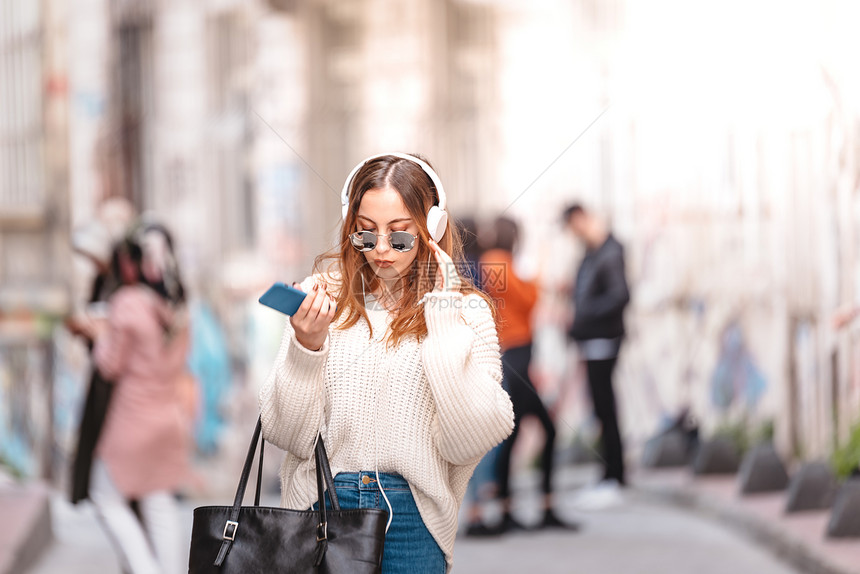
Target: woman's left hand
<point>447,278</point>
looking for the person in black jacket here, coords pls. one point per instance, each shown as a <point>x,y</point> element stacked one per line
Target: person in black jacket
<point>599,297</point>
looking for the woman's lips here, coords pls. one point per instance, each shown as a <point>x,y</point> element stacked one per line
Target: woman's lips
<point>383,264</point>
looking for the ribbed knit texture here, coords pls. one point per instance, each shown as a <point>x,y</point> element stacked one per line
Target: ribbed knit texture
<point>426,410</point>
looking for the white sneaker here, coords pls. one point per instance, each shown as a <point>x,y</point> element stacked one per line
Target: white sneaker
<point>605,494</point>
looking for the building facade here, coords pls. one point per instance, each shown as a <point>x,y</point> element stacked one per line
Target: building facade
<point>235,123</point>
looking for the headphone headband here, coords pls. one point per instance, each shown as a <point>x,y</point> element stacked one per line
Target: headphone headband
<point>434,177</point>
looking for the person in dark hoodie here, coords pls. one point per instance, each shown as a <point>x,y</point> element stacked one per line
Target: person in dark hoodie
<point>600,296</point>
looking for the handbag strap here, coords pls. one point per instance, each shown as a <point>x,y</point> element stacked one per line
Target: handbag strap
<point>322,525</point>
<point>324,469</point>
<point>232,524</point>
<point>324,476</point>
<point>259,475</point>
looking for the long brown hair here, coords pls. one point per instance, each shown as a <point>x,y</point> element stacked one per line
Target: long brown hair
<point>418,193</point>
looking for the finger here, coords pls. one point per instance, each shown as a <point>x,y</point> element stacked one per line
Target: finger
<point>438,250</point>
<point>437,256</point>
<point>439,282</point>
<point>441,256</point>
<point>326,308</point>
<point>316,304</point>
<point>326,305</point>
<point>434,247</point>
<point>329,309</point>
<point>304,308</point>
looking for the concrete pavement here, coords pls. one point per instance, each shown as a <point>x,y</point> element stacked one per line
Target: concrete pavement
<point>797,537</point>
<point>26,518</point>
<point>643,535</point>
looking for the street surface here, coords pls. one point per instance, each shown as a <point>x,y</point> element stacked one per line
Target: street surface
<point>639,536</point>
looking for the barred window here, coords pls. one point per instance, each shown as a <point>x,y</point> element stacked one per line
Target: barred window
<point>22,180</point>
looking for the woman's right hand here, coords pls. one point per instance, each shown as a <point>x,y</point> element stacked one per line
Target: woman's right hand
<point>313,317</point>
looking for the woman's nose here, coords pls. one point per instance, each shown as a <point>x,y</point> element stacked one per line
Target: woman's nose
<point>383,244</point>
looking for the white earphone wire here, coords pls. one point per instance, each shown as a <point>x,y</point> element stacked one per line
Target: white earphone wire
<point>375,436</point>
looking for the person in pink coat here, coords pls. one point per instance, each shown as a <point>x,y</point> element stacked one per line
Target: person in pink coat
<point>142,456</point>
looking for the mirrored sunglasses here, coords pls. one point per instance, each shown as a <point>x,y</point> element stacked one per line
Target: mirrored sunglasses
<point>400,241</point>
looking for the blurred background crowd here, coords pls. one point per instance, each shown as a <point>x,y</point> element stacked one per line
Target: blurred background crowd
<point>719,141</point>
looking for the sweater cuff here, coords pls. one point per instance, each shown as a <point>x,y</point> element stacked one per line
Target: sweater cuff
<point>321,352</point>
<point>302,364</point>
<point>442,310</point>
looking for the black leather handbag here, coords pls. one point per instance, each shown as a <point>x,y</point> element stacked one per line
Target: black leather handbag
<point>259,539</point>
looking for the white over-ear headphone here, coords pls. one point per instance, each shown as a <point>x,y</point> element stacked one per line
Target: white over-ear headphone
<point>437,217</point>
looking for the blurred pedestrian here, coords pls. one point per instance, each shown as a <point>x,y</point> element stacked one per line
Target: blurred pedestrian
<point>93,241</point>
<point>142,456</point>
<point>209,363</point>
<point>393,357</point>
<point>483,486</point>
<point>96,241</point>
<point>515,299</point>
<point>600,296</point>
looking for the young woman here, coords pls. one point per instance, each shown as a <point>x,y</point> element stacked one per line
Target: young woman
<point>143,452</point>
<point>395,359</point>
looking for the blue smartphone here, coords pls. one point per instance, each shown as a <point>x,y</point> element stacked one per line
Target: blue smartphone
<point>283,298</point>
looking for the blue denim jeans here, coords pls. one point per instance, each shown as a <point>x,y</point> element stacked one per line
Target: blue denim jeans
<point>485,475</point>
<point>409,546</point>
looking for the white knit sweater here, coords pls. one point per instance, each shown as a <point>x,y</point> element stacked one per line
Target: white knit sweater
<point>426,410</point>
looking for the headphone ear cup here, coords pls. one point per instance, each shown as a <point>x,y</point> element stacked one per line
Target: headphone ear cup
<point>437,222</point>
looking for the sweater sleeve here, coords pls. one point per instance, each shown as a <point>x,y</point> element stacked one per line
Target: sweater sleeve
<point>463,366</point>
<point>291,399</point>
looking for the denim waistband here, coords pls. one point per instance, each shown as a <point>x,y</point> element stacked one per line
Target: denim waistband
<point>367,480</point>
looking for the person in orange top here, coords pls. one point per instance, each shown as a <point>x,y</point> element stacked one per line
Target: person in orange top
<point>515,299</point>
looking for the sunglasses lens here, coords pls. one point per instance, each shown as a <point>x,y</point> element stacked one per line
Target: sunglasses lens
<point>363,240</point>
<point>402,241</point>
